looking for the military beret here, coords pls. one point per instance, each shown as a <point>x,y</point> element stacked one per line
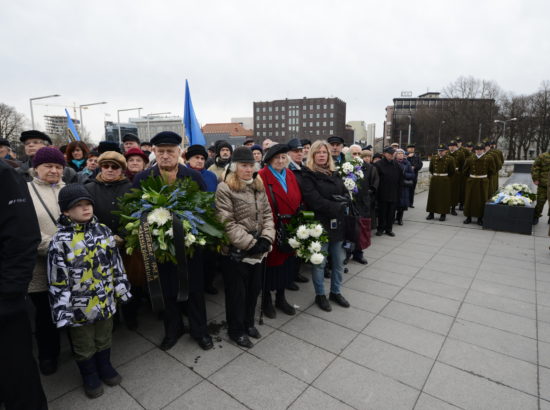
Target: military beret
<point>130,137</point>
<point>26,135</point>
<point>335,139</point>
<point>166,138</point>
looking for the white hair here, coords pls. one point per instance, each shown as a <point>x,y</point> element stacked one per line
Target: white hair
<point>355,146</point>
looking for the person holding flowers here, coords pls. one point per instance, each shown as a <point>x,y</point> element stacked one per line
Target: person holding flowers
<point>242,204</point>
<point>323,192</point>
<point>284,198</point>
<point>166,146</point>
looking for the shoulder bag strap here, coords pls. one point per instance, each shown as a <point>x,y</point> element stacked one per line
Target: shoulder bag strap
<point>43,203</point>
<point>275,205</point>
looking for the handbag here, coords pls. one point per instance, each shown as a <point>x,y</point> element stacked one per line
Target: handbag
<point>357,229</point>
<point>281,234</point>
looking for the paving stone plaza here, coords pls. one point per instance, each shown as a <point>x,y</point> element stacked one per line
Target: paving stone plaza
<point>444,316</point>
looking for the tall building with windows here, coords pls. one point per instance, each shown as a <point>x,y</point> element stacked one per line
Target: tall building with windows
<point>312,118</point>
<point>57,125</point>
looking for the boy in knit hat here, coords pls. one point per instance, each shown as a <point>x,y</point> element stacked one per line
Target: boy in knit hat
<point>86,278</point>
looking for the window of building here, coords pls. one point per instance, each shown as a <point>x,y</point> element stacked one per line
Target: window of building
<point>331,115</point>
<point>270,125</point>
<point>304,107</point>
<point>276,125</point>
<point>331,132</point>
<point>310,115</point>
<point>304,115</point>
<point>257,118</point>
<point>317,132</point>
<point>282,117</point>
<point>331,106</point>
<point>282,133</point>
<point>317,115</point>
<point>304,124</point>
<point>324,123</point>
<point>317,124</point>
<point>324,106</point>
<point>263,109</point>
<point>282,108</point>
<point>270,117</point>
<point>277,108</point>
<point>263,117</point>
<point>257,109</point>
<point>276,117</point>
<point>311,124</point>
<point>332,123</point>
<point>270,109</point>
<point>311,107</point>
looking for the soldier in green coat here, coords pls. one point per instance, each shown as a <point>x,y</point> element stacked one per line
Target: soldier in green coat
<point>493,181</point>
<point>466,150</point>
<point>442,167</point>
<point>478,168</point>
<point>456,179</point>
<point>539,173</point>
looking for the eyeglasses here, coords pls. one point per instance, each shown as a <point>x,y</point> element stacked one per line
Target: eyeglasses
<point>112,166</point>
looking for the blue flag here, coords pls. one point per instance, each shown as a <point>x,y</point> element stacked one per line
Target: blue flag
<point>71,128</point>
<point>192,127</point>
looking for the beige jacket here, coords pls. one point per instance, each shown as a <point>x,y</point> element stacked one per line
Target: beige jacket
<point>245,209</point>
<point>49,194</point>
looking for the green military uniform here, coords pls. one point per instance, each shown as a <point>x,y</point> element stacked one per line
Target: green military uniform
<point>493,180</point>
<point>456,179</point>
<point>478,171</point>
<point>539,172</point>
<point>462,187</point>
<point>439,196</point>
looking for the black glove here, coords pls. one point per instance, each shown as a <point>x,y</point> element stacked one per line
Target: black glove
<point>261,246</point>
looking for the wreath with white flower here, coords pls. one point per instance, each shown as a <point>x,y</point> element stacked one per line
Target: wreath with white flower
<point>515,195</point>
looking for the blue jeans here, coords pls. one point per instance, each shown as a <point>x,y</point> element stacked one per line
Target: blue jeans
<point>337,255</point>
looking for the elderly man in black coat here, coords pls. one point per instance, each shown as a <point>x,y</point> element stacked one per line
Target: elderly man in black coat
<point>391,181</point>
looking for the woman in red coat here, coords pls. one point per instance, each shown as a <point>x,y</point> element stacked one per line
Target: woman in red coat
<point>284,197</point>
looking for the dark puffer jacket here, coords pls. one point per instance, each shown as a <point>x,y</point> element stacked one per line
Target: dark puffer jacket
<point>317,193</point>
<point>105,195</point>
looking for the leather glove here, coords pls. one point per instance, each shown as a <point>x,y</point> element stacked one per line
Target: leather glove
<point>262,245</point>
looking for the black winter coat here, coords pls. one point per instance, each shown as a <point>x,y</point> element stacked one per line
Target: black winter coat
<point>416,163</point>
<point>105,195</point>
<point>391,180</point>
<point>317,191</point>
<point>19,239</point>
<point>364,199</point>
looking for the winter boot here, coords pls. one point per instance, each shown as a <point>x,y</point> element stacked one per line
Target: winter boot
<point>430,216</point>
<point>468,220</point>
<point>267,306</point>
<point>453,211</point>
<point>282,304</point>
<point>105,369</point>
<point>399,217</point>
<point>442,217</point>
<point>92,385</point>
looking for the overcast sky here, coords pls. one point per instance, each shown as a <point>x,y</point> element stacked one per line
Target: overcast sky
<point>139,53</point>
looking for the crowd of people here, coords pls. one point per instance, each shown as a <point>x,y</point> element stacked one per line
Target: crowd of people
<point>61,243</point>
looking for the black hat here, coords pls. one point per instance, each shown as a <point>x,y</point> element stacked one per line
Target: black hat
<point>377,155</point>
<point>478,147</point>
<point>25,135</point>
<point>92,154</point>
<point>305,141</point>
<point>4,142</point>
<point>469,144</point>
<point>243,154</point>
<point>335,139</point>
<point>71,194</point>
<point>248,141</point>
<point>442,147</point>
<point>275,150</point>
<point>211,148</point>
<point>368,147</point>
<point>105,146</point>
<point>411,146</point>
<point>166,138</point>
<point>256,147</point>
<point>196,149</point>
<point>389,150</point>
<point>223,144</point>
<point>144,143</point>
<point>295,143</point>
<point>452,143</point>
<point>130,137</point>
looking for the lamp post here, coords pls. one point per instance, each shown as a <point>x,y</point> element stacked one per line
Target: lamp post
<point>39,98</point>
<point>152,115</point>
<point>87,105</point>
<point>504,122</point>
<point>439,138</point>
<point>118,120</point>
<point>409,136</point>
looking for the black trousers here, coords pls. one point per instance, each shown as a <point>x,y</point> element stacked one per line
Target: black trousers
<point>20,386</point>
<point>386,211</point>
<point>412,190</point>
<point>242,283</point>
<point>196,307</point>
<point>211,266</point>
<point>46,333</point>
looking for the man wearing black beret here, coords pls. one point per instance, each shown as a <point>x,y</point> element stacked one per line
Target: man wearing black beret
<point>166,146</point>
<point>130,141</point>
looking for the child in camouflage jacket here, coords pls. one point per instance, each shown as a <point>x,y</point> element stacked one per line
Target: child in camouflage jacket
<point>86,278</point>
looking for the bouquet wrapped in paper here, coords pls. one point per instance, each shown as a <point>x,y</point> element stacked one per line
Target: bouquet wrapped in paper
<point>351,173</point>
<point>307,236</point>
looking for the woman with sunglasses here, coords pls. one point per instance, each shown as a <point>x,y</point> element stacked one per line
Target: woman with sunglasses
<point>109,185</point>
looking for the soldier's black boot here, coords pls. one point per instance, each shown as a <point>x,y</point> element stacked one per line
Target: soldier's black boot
<point>430,216</point>
<point>461,207</point>
<point>480,221</point>
<point>468,220</point>
<point>453,211</point>
<point>442,217</point>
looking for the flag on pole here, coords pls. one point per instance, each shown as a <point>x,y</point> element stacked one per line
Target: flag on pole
<point>192,127</point>
<point>71,128</point>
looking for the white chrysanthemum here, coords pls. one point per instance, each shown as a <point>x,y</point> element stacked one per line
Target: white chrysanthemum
<point>170,233</point>
<point>314,247</point>
<point>347,168</point>
<point>316,258</point>
<point>300,253</point>
<point>302,232</point>
<point>190,239</point>
<point>159,216</point>
<point>155,232</point>
<point>349,184</point>
<point>359,174</point>
<point>294,244</point>
<point>316,230</point>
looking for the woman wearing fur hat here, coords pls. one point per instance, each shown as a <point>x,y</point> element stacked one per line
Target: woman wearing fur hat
<point>48,164</point>
<point>242,204</point>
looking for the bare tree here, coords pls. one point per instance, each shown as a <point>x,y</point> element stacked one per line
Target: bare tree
<point>541,103</point>
<point>11,122</point>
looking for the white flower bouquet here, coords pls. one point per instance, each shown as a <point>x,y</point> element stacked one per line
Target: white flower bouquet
<point>351,172</point>
<point>306,237</point>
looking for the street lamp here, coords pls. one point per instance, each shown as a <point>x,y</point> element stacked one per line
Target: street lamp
<point>504,122</point>
<point>87,105</point>
<point>118,119</point>
<point>152,115</point>
<point>39,98</point>
<point>439,139</point>
<point>409,137</point>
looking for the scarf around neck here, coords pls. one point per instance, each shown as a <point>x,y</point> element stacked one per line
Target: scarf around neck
<point>280,176</point>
